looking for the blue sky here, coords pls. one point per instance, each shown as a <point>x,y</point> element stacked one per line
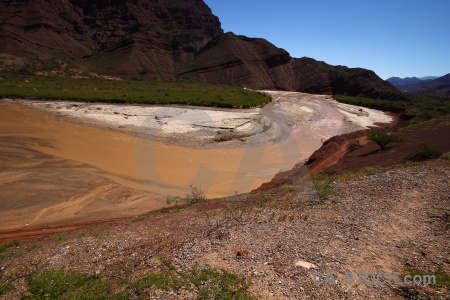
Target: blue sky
<point>401,38</point>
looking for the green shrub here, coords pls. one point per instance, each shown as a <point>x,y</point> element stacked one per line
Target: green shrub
<point>14,243</point>
<point>196,195</point>
<point>382,139</point>
<point>425,152</point>
<point>173,199</point>
<point>445,156</point>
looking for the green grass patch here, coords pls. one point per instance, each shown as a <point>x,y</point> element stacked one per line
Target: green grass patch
<point>8,245</point>
<point>205,281</point>
<point>366,171</point>
<point>323,185</point>
<point>164,281</point>
<point>445,156</point>
<point>66,237</point>
<point>411,163</point>
<point>66,284</point>
<point>442,278</point>
<point>103,234</point>
<point>6,289</point>
<point>138,219</point>
<point>16,85</point>
<point>212,283</point>
<point>14,252</point>
<point>62,238</point>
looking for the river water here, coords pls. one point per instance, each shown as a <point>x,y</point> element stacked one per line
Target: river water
<point>162,168</point>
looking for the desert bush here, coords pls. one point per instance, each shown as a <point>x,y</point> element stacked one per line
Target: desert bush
<point>426,151</point>
<point>196,195</point>
<point>382,139</point>
<point>445,156</point>
<point>173,199</point>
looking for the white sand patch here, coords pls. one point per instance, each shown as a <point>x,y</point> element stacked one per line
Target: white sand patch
<point>177,126</point>
<point>166,118</point>
<point>362,116</point>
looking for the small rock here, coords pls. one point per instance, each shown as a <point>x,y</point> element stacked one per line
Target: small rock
<point>305,264</point>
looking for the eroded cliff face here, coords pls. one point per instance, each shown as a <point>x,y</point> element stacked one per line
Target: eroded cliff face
<point>124,38</point>
<point>163,40</point>
<point>238,60</point>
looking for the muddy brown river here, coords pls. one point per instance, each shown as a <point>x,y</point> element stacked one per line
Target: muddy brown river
<point>154,166</point>
<point>53,171</point>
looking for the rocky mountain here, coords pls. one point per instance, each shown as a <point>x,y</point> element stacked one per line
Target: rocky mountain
<point>440,85</point>
<point>118,37</point>
<point>398,82</point>
<point>163,40</point>
<point>258,64</point>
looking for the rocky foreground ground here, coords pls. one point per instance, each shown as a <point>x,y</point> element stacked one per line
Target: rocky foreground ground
<point>394,220</point>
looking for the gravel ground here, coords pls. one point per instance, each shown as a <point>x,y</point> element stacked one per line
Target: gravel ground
<point>279,239</point>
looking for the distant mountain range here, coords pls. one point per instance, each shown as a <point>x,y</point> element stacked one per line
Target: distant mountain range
<point>162,40</point>
<point>430,84</point>
<point>397,81</point>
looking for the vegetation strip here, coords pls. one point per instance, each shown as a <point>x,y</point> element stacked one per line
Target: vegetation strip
<point>93,89</point>
<point>417,108</point>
